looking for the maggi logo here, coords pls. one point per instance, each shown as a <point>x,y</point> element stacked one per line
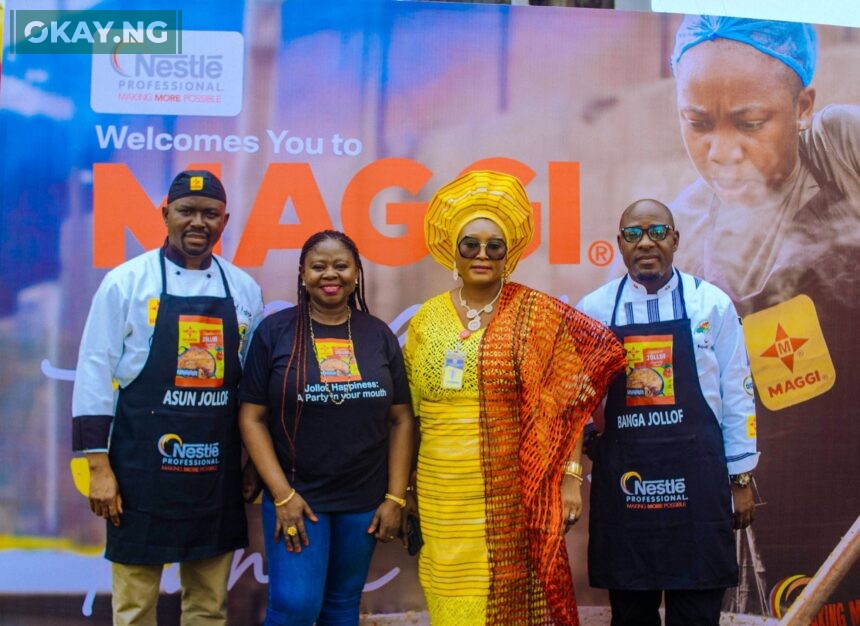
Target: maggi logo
<point>798,382</point>
<point>803,352</point>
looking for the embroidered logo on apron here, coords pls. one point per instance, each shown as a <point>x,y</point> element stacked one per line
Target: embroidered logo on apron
<point>201,352</point>
<point>650,376</point>
<point>670,493</point>
<point>178,456</point>
<point>152,311</point>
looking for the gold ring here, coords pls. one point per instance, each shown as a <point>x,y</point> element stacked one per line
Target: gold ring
<point>292,531</point>
<point>390,537</point>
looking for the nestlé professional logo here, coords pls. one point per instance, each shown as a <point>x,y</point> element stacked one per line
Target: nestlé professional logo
<point>206,78</point>
<point>178,456</point>
<point>667,493</point>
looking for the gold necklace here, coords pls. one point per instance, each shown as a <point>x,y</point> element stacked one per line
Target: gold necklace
<point>323,379</point>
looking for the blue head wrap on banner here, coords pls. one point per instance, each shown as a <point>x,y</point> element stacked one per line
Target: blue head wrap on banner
<point>793,43</point>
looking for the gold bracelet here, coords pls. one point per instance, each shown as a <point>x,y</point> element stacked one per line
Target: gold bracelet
<point>574,476</point>
<point>573,468</point>
<point>398,501</point>
<point>287,499</point>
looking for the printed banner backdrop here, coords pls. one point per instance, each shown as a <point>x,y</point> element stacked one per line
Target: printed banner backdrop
<point>320,114</point>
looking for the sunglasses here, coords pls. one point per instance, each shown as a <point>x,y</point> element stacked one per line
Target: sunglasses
<point>469,248</point>
<point>656,232</point>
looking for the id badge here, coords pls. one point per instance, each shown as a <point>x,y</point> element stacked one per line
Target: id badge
<point>452,373</point>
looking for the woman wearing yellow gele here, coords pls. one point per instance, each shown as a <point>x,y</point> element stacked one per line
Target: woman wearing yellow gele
<point>502,378</point>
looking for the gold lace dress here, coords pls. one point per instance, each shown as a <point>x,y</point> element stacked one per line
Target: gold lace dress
<point>452,565</point>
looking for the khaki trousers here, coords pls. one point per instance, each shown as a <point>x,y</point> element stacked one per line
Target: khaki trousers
<point>204,592</point>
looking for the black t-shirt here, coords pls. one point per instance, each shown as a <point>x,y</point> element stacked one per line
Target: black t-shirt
<point>341,451</point>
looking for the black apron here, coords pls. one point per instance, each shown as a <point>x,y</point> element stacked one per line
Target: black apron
<point>660,496</point>
<point>175,446</point>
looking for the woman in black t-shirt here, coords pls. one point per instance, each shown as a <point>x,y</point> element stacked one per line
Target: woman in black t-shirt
<point>326,418</point>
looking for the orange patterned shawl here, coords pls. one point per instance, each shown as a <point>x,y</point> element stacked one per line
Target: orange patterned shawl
<point>542,369</point>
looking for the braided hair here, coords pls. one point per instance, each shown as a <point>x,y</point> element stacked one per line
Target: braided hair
<point>299,352</point>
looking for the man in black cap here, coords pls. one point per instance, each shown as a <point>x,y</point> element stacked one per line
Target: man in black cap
<point>155,407</point>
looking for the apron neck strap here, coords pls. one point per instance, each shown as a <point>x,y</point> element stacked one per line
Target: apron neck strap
<point>621,288</point>
<point>223,278</point>
<point>163,271</point>
<point>164,274</point>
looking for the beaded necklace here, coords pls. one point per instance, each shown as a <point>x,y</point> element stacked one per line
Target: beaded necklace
<point>474,315</point>
<point>324,379</point>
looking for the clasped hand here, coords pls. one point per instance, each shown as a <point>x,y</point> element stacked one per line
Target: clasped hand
<point>387,522</point>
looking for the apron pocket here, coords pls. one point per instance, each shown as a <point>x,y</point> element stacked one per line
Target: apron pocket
<point>188,469</point>
<point>653,484</point>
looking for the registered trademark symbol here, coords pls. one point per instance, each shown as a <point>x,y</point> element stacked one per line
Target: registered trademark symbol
<point>600,253</point>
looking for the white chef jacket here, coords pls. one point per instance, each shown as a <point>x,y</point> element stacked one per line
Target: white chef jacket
<point>718,342</point>
<point>115,343</point>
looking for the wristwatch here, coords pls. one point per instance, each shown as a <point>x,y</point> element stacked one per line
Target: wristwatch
<point>741,480</point>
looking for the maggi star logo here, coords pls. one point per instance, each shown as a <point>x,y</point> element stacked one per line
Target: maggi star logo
<point>784,347</point>
<point>810,374</point>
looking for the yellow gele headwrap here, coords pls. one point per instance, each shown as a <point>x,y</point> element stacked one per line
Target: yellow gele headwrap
<point>480,194</point>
